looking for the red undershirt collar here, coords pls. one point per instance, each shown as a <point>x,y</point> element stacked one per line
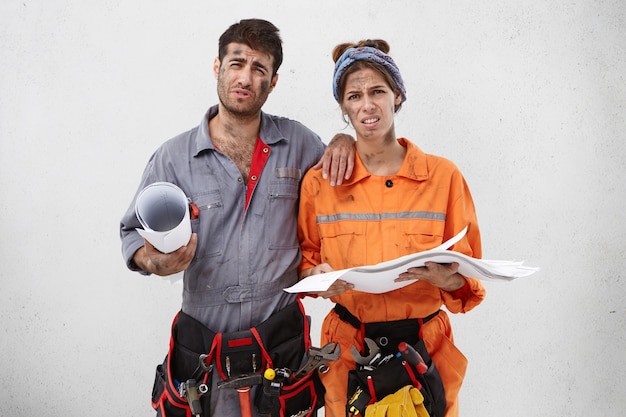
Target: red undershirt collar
<point>259,158</point>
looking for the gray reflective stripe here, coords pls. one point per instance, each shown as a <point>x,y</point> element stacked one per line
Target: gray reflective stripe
<point>426,215</point>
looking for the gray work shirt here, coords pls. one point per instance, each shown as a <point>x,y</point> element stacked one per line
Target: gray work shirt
<point>245,257</point>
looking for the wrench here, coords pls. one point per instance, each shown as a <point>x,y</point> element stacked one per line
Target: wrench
<point>374,353</point>
<point>191,391</point>
<point>318,358</point>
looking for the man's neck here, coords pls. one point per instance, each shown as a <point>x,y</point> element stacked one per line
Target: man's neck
<point>227,126</point>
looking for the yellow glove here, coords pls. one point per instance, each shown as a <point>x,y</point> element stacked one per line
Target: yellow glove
<point>406,402</point>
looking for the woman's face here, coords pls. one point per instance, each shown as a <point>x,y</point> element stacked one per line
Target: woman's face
<point>369,102</point>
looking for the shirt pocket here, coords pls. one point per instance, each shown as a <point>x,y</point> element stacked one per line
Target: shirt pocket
<point>281,224</point>
<point>343,243</point>
<point>209,224</point>
<point>422,235</point>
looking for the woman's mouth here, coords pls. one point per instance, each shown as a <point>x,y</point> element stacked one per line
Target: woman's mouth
<point>371,120</point>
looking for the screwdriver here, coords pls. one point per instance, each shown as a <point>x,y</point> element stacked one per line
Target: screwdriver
<point>412,357</point>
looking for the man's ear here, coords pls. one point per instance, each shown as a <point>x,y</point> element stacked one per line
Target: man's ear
<point>216,67</point>
<point>274,82</point>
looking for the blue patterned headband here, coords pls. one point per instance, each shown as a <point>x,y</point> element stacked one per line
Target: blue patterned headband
<point>370,54</point>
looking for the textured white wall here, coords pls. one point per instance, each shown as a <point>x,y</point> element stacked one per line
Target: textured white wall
<point>527,97</point>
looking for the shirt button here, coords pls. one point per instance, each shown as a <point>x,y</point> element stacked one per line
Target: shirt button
<point>389,183</point>
<point>239,179</point>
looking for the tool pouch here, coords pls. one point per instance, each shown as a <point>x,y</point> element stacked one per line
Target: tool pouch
<point>376,383</point>
<point>180,364</point>
<point>285,342</point>
<point>279,342</point>
<point>301,398</point>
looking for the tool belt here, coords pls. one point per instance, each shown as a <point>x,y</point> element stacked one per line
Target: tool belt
<point>369,384</point>
<point>183,380</point>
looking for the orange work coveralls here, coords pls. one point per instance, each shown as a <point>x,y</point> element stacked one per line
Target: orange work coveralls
<point>371,219</point>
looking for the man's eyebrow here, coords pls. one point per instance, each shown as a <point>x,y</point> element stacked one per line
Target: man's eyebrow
<point>243,59</point>
<point>259,65</point>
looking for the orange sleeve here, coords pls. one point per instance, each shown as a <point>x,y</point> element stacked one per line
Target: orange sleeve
<point>465,298</point>
<point>308,232</point>
<point>461,212</point>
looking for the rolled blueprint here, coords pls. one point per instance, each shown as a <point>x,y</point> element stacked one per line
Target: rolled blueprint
<point>163,211</point>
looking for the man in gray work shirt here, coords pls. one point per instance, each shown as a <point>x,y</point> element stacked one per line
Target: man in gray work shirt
<point>241,168</point>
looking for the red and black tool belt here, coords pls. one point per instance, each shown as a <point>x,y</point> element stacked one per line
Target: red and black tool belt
<point>369,384</point>
<point>195,352</point>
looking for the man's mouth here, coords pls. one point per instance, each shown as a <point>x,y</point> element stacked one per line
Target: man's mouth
<point>241,92</point>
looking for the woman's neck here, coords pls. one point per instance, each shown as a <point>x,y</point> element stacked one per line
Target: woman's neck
<point>384,157</point>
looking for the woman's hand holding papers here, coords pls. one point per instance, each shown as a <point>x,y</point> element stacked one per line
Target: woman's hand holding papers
<point>444,276</point>
<point>338,287</point>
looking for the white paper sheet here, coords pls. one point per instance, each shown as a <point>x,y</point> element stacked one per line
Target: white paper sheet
<point>381,277</point>
<point>163,199</point>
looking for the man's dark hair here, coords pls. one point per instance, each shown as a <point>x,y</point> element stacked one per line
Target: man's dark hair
<point>258,34</point>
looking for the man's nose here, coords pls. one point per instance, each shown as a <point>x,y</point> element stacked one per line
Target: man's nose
<point>245,77</point>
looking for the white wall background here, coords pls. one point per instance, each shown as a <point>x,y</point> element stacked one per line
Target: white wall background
<point>527,97</point>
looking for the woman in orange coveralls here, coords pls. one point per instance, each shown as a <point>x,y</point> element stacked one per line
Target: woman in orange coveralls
<point>398,201</point>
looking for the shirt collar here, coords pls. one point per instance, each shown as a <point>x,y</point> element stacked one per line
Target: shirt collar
<point>414,167</point>
<point>415,164</point>
<point>270,134</point>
